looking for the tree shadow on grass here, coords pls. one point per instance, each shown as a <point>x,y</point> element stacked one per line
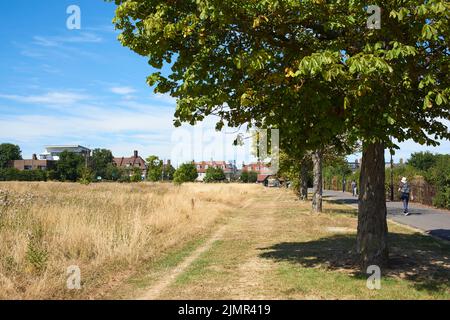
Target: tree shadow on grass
<point>349,201</point>
<point>344,211</point>
<point>417,258</point>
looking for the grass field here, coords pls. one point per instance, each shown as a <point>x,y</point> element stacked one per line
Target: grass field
<point>106,229</point>
<point>198,241</point>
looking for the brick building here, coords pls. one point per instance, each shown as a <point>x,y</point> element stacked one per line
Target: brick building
<point>264,171</point>
<point>33,164</point>
<point>134,161</point>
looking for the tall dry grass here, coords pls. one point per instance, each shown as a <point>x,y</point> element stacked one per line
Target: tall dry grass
<point>107,230</point>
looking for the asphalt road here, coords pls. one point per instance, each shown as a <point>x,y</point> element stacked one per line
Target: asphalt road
<point>433,221</point>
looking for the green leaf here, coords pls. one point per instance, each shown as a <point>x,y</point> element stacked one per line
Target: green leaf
<point>438,99</point>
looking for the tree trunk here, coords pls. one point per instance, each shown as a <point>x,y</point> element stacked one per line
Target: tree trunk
<point>317,185</point>
<point>372,244</point>
<point>304,180</point>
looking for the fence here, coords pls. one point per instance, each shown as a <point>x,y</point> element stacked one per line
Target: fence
<point>421,190</point>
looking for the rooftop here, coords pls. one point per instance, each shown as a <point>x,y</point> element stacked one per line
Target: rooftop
<point>66,146</point>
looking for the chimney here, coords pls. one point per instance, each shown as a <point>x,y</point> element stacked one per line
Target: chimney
<point>168,163</point>
<point>34,156</point>
<point>136,154</point>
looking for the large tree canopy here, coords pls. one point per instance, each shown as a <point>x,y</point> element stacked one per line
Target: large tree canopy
<point>311,68</point>
<point>242,60</point>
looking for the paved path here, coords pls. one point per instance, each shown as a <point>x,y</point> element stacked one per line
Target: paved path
<point>433,221</point>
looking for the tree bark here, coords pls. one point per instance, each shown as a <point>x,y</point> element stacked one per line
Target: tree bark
<point>317,184</point>
<point>304,181</point>
<point>372,245</point>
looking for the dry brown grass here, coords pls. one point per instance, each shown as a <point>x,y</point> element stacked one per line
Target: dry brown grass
<point>105,229</point>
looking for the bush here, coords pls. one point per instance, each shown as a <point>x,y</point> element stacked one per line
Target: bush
<point>252,177</point>
<point>249,176</point>
<point>244,176</point>
<point>439,174</point>
<point>87,176</point>
<point>185,173</point>
<point>136,175</point>
<point>214,175</point>
<point>12,174</point>
<point>442,198</point>
<point>125,177</point>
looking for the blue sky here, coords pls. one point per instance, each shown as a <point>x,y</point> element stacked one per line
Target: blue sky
<point>62,86</point>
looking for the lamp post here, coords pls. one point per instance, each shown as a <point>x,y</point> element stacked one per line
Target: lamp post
<point>392,178</point>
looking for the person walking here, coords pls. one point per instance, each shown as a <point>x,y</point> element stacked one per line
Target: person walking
<point>405,190</point>
<point>354,188</point>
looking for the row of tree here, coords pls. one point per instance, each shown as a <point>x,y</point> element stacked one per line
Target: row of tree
<point>99,166</point>
<point>312,69</point>
<point>70,167</point>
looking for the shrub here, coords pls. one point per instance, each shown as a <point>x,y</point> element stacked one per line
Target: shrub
<point>87,176</point>
<point>136,175</point>
<point>252,177</point>
<point>244,176</point>
<point>442,198</point>
<point>124,177</point>
<point>113,173</point>
<point>214,175</point>
<point>185,173</point>
<point>12,174</point>
<point>249,176</point>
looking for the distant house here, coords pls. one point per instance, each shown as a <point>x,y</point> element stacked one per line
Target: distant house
<point>263,170</point>
<point>135,161</point>
<point>258,167</point>
<point>33,164</point>
<point>229,169</point>
<point>53,152</point>
<point>262,178</point>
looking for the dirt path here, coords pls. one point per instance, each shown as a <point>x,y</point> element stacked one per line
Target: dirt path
<point>275,248</point>
<point>167,279</point>
<point>250,225</point>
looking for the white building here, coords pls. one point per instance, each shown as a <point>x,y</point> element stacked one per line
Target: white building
<point>53,152</point>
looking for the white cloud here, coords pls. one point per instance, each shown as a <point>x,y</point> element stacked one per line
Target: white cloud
<point>106,28</point>
<point>126,91</point>
<point>58,41</point>
<point>147,128</point>
<point>165,98</point>
<point>50,98</point>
